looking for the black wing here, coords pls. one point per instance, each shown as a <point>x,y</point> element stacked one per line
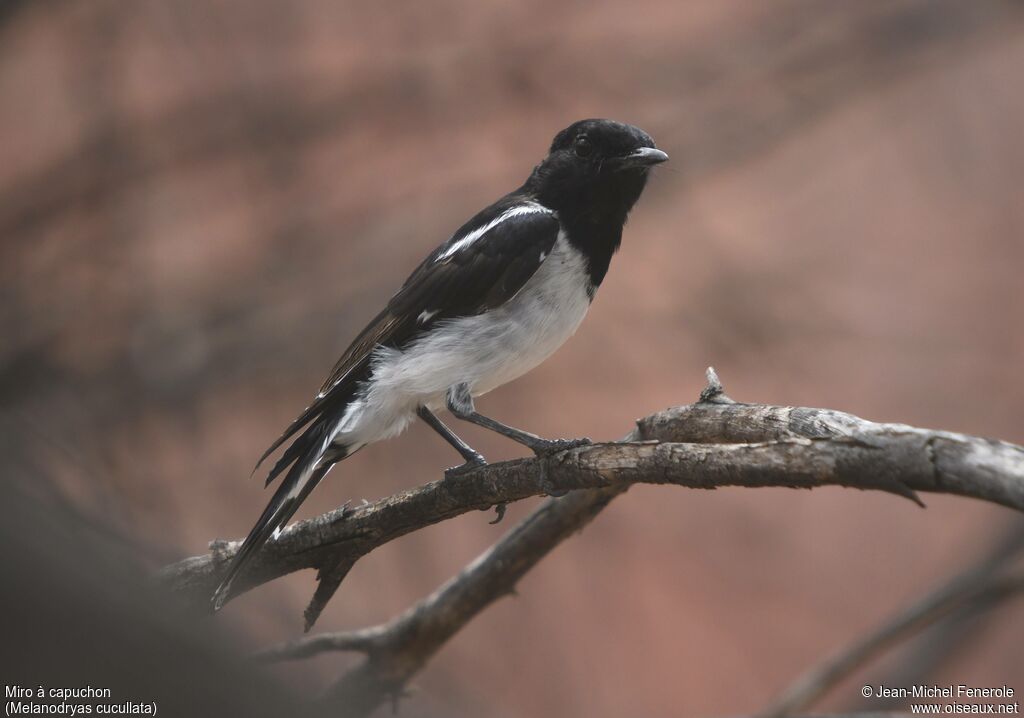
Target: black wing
<point>476,270</point>
<point>482,266</point>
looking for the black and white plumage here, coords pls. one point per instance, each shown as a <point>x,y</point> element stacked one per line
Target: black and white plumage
<point>491,303</point>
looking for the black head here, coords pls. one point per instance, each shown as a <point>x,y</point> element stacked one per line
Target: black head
<point>595,170</point>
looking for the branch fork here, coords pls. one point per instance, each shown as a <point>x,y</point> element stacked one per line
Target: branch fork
<point>711,443</point>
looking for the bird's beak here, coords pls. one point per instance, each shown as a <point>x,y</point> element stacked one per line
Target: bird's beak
<point>643,157</point>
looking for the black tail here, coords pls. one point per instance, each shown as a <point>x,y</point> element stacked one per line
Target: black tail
<point>313,459</point>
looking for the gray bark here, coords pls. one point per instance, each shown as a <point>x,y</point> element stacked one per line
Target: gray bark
<point>714,442</point>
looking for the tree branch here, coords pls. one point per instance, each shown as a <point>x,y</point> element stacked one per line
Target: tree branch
<point>980,585</point>
<point>715,442</point>
<point>705,445</point>
<point>950,636</point>
<point>397,650</point>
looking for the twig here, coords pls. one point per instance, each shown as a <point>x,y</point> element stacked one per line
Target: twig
<point>398,649</point>
<point>781,446</point>
<point>950,635</point>
<point>402,646</point>
<point>366,640</point>
<point>977,585</point>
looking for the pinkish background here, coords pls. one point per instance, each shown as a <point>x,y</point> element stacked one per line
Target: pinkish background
<point>202,202</point>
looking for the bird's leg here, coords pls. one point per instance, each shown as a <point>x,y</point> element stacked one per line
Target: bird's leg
<point>460,403</point>
<point>473,458</point>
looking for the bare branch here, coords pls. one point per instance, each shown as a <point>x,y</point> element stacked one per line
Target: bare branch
<point>398,649</point>
<point>949,637</point>
<point>715,442</point>
<point>366,640</point>
<point>967,589</point>
<point>714,393</point>
<point>770,446</point>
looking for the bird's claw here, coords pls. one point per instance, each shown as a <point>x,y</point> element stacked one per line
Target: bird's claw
<point>499,513</point>
<point>468,466</point>
<point>219,549</point>
<point>544,447</point>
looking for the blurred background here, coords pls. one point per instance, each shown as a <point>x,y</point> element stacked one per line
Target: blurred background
<point>201,203</point>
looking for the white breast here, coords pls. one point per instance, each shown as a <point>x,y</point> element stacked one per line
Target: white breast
<point>512,340</point>
<point>485,351</point>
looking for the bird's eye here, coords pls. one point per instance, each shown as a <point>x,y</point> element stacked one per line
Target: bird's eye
<point>583,147</point>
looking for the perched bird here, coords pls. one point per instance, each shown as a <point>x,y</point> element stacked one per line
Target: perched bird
<point>491,303</point>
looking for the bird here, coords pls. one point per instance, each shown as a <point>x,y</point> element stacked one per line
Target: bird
<point>506,290</point>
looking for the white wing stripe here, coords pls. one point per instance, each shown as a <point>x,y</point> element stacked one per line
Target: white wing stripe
<point>463,242</point>
<point>518,210</point>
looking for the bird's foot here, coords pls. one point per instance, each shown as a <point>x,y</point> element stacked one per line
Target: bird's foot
<point>219,550</point>
<point>544,447</point>
<point>346,509</point>
<point>546,484</point>
<point>472,464</point>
